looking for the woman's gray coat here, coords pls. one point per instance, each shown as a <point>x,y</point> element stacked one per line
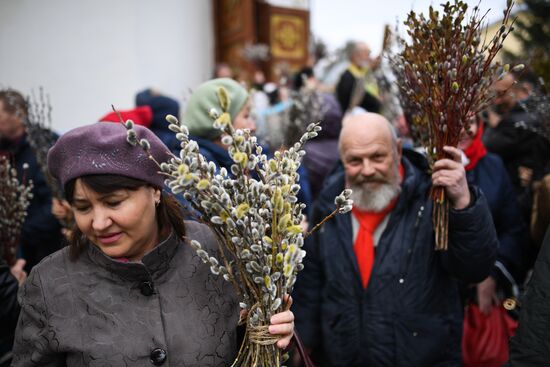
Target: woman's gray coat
<point>166,310</point>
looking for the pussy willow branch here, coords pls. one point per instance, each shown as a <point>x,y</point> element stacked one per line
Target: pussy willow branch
<point>41,138</point>
<point>445,75</point>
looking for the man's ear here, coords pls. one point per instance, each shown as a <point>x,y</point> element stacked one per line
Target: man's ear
<point>399,148</point>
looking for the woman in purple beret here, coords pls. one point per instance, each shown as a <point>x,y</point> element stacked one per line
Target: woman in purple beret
<point>128,291</point>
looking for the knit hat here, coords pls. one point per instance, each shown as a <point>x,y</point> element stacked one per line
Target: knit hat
<point>197,116</point>
<point>142,115</point>
<point>161,106</point>
<point>102,148</point>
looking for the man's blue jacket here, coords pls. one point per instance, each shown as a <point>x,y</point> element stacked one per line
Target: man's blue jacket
<point>410,315</point>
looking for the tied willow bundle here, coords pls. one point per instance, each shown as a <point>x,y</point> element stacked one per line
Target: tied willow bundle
<point>307,106</point>
<point>14,200</point>
<point>256,221</point>
<point>538,107</point>
<point>387,87</point>
<point>41,137</point>
<point>445,72</point>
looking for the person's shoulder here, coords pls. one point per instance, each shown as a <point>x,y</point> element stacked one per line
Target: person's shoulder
<point>55,258</point>
<point>346,76</point>
<point>493,160</point>
<point>53,262</point>
<point>517,120</point>
<point>492,167</point>
<point>49,272</point>
<point>193,227</point>
<point>333,185</point>
<point>199,232</point>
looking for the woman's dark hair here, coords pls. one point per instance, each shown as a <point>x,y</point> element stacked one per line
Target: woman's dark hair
<point>169,211</point>
<point>14,102</point>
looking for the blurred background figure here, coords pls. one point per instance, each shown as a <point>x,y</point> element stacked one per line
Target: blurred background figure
<point>357,86</point>
<point>322,152</point>
<point>260,103</point>
<point>200,123</point>
<point>222,70</point>
<point>161,105</point>
<point>486,171</point>
<point>483,301</point>
<point>201,129</point>
<point>271,132</point>
<point>512,135</point>
<point>41,234</point>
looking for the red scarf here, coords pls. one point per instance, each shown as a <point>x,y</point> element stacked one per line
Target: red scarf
<point>476,150</point>
<point>364,243</point>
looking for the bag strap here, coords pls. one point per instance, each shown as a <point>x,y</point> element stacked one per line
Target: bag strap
<point>302,351</point>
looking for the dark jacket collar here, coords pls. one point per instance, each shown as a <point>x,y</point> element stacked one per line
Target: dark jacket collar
<point>13,147</point>
<point>213,152</point>
<point>155,263</point>
<point>518,115</point>
<point>414,184</point>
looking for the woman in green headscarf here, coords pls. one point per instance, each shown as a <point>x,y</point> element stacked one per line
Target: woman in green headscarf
<point>200,124</point>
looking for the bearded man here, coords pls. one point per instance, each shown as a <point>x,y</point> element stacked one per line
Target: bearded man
<point>374,292</point>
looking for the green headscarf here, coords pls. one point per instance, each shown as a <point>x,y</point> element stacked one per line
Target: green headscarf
<point>197,115</point>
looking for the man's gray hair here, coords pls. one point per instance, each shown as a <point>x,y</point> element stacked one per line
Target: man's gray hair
<point>350,48</point>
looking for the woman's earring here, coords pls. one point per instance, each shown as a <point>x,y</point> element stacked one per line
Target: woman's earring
<point>157,203</point>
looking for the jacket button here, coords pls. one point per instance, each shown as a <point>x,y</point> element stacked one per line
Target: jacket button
<point>158,356</point>
<point>146,288</point>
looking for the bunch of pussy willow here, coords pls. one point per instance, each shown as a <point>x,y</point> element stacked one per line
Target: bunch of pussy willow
<point>41,137</point>
<point>255,214</point>
<point>538,107</point>
<point>445,72</point>
<point>14,200</point>
<point>307,106</point>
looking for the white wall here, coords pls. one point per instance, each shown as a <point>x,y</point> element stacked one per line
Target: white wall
<point>89,54</point>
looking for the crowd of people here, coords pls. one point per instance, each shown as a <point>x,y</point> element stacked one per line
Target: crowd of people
<point>112,280</point>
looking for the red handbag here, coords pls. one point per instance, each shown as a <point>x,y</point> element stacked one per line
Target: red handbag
<point>485,338</point>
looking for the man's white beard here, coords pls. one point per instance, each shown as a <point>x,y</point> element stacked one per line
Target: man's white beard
<point>375,196</point>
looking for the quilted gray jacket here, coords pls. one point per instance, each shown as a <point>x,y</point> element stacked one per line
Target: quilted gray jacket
<point>166,310</point>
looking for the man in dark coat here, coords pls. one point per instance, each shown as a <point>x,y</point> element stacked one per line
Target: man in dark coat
<point>41,234</point>
<point>530,347</point>
<point>404,308</point>
<point>357,87</point>
<point>512,135</point>
<point>9,308</point>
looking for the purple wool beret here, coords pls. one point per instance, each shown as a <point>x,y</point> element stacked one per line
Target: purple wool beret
<point>101,148</point>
